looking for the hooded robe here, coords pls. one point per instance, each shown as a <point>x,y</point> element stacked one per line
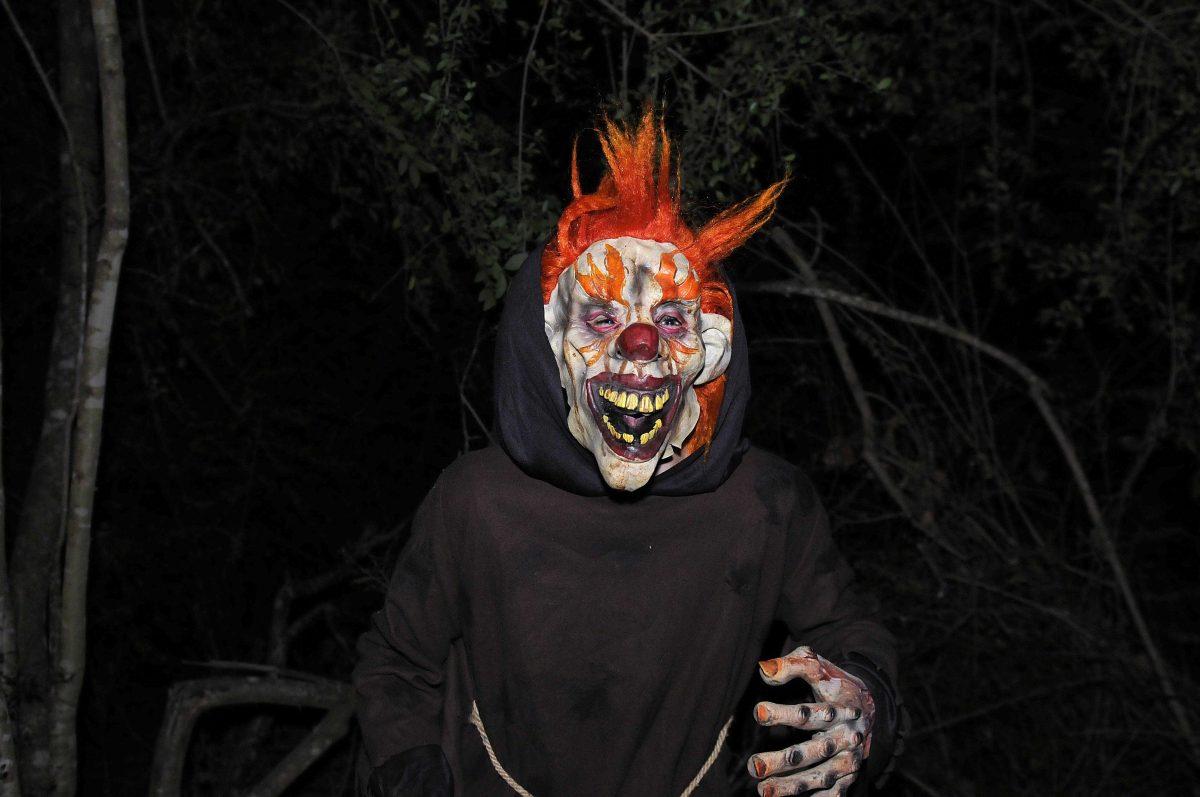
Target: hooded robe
<point>605,637</point>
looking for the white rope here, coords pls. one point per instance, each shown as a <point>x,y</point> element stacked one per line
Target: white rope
<point>712,759</point>
<point>477,721</point>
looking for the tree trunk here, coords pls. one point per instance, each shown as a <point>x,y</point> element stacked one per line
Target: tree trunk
<point>10,785</point>
<point>39,534</point>
<point>85,441</point>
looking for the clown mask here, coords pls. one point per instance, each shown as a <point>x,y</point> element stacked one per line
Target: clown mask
<point>632,343</point>
<point>637,310</point>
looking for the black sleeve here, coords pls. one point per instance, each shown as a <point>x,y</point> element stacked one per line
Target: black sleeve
<point>823,610</point>
<point>400,676</point>
<point>891,720</point>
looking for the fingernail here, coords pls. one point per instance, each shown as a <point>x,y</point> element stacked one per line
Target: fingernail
<point>760,767</point>
<point>761,713</point>
<point>769,667</point>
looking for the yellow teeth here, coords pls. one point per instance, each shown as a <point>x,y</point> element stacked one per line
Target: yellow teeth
<point>643,438</point>
<point>648,436</point>
<point>633,401</point>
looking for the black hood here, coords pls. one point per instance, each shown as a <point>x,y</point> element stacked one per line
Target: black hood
<point>531,408</point>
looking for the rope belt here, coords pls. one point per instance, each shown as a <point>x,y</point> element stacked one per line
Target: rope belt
<point>477,721</point>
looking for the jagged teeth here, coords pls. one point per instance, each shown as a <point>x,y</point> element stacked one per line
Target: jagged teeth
<point>633,401</point>
<point>643,438</point>
<point>646,437</point>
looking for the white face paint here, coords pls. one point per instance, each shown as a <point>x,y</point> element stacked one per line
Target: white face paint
<point>631,343</point>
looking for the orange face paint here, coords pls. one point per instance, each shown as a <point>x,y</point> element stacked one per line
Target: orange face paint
<point>593,351</point>
<point>606,287</point>
<point>665,278</point>
<point>680,352</point>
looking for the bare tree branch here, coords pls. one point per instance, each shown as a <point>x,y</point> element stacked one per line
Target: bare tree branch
<point>920,518</point>
<point>332,727</point>
<point>537,28</point>
<point>1102,536</point>
<point>653,38</point>
<point>189,699</point>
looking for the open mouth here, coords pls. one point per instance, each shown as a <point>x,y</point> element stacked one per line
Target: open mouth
<point>633,412</point>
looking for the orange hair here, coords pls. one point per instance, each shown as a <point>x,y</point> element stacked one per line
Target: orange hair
<point>635,198</point>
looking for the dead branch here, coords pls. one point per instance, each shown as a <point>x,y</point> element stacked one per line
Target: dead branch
<point>537,28</point>
<point>1102,536</point>
<point>332,727</point>
<point>189,699</point>
<point>921,520</point>
<point>653,38</point>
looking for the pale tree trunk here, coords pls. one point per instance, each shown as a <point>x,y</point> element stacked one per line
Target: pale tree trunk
<point>39,535</point>
<point>85,441</point>
<point>10,785</point>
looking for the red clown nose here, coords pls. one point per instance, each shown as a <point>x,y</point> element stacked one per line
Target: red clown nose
<point>639,342</point>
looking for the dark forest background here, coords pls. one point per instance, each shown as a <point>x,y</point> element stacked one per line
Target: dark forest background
<point>973,321</point>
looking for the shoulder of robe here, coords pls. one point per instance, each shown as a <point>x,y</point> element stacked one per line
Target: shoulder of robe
<point>474,478</point>
<point>476,467</point>
<point>782,488</point>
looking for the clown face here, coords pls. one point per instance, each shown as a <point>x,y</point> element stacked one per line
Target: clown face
<point>625,325</point>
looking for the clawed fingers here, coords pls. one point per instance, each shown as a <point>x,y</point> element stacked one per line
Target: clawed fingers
<point>806,716</point>
<point>800,663</point>
<point>763,765</point>
<point>840,788</point>
<point>827,776</point>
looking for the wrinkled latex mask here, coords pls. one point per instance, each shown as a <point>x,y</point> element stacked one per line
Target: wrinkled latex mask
<point>632,344</point>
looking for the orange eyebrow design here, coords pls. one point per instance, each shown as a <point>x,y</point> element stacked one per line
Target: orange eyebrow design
<point>665,278</point>
<point>607,288</point>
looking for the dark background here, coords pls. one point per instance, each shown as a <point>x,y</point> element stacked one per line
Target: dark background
<point>328,198</point>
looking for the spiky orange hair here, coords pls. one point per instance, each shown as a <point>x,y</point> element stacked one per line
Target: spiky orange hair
<point>635,198</point>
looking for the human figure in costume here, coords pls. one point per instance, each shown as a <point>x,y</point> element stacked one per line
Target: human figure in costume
<point>580,608</point>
